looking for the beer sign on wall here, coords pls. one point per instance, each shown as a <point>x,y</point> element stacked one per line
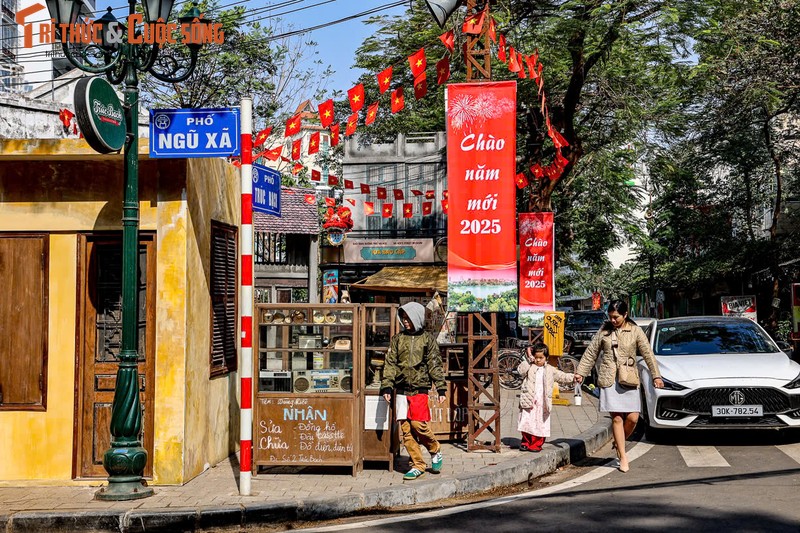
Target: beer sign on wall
<point>481,221</point>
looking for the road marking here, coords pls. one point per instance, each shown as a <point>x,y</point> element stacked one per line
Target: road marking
<point>792,450</point>
<point>702,456</point>
<point>637,451</point>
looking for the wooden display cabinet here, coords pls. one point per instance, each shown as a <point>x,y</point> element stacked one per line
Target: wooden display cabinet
<point>378,435</point>
<point>308,405</point>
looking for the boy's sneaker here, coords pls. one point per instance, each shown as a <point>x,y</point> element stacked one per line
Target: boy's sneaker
<point>414,473</point>
<point>436,462</point>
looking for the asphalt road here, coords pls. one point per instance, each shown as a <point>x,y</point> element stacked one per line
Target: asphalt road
<point>734,481</point>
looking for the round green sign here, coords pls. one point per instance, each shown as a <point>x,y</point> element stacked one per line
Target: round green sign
<point>100,114</point>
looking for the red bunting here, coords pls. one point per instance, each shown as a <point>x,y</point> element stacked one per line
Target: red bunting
<point>430,195</point>
<point>408,210</point>
<point>296,149</point>
<point>398,194</point>
<point>501,48</point>
<point>352,123</point>
<point>274,154</point>
<point>310,199</point>
<point>364,188</point>
<point>335,134</point>
<point>443,70</point>
<point>558,140</point>
<point>420,86</point>
<point>473,25</point>
<point>293,126</point>
<point>385,80</point>
<point>261,136</point>
<point>427,208</point>
<point>561,161</point>
<point>418,62</point>
<point>348,184</point>
<point>521,181</point>
<point>316,175</point>
<point>326,113</point>
<point>448,39</point>
<point>369,208</point>
<point>398,102</point>
<point>313,143</point>
<point>333,180</point>
<point>381,193</point>
<point>356,97</point>
<point>330,202</point>
<point>386,210</point>
<point>372,113</point>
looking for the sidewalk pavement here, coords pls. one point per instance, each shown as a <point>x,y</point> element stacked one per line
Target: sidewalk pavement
<point>285,494</point>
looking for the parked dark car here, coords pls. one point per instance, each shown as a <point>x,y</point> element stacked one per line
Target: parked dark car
<point>581,327</point>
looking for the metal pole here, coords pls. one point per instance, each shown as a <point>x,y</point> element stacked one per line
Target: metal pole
<point>126,459</point>
<point>246,357</point>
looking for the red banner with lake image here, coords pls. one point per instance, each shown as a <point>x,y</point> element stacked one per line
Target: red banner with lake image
<point>536,281</point>
<point>481,219</point>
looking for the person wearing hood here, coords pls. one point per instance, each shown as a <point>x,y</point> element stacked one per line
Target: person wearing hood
<point>413,365</point>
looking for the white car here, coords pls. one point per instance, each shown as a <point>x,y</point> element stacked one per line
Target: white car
<point>718,372</point>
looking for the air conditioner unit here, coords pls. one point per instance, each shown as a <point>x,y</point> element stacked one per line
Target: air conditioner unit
<point>322,381</point>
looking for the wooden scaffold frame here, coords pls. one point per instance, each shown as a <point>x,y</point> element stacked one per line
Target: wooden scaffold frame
<point>483,385</point>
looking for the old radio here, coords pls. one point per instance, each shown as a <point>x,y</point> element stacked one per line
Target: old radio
<point>322,381</point>
<point>275,381</point>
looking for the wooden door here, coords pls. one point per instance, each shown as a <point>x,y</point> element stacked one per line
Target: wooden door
<point>100,337</point>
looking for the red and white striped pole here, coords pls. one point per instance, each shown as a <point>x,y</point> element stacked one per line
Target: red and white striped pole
<point>246,299</point>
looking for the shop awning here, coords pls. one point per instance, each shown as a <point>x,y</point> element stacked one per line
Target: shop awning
<point>406,279</point>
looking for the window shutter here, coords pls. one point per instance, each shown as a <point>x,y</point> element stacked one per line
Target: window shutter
<point>224,256</point>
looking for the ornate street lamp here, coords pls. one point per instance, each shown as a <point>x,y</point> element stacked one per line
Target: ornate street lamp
<point>121,61</point>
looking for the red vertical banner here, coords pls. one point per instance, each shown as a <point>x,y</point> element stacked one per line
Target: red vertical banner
<point>481,218</point>
<point>536,281</point>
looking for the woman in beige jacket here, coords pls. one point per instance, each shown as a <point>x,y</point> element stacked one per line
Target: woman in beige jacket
<point>623,403</point>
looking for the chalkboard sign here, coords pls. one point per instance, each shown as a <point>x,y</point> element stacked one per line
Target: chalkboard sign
<point>304,430</point>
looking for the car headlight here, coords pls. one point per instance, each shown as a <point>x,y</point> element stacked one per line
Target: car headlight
<point>794,384</point>
<point>671,385</point>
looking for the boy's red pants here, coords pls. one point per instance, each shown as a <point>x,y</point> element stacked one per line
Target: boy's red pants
<point>531,441</point>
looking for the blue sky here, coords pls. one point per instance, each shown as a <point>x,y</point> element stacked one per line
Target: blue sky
<point>337,43</point>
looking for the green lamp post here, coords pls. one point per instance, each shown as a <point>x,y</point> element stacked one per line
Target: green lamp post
<point>121,61</point>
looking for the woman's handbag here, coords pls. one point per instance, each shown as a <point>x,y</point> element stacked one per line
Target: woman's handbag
<point>627,375</point>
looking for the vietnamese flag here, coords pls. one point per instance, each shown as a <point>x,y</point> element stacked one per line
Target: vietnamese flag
<point>385,80</point>
<point>316,175</point>
<point>408,210</point>
<point>356,97</point>
<point>512,60</point>
<point>501,48</point>
<point>398,194</point>
<point>274,154</point>
<point>330,202</point>
<point>427,208</point>
<point>445,194</point>
<point>521,63</point>
<point>445,206</point>
<point>261,136</point>
<point>296,149</point>
<point>521,181</point>
<point>420,86</point>
<point>537,171</point>
<point>310,199</point>
<point>297,168</point>
<point>492,29</point>
<point>369,208</point>
<point>326,113</point>
<point>381,193</point>
<point>364,188</point>
<point>65,115</point>
<point>352,123</point>
<point>372,113</point>
<point>448,39</point>
<point>418,62</point>
<point>443,70</point>
<point>313,143</point>
<point>333,180</point>
<point>237,163</point>
<point>416,192</point>
<point>398,103</point>
<point>350,201</point>
<point>348,184</point>
<point>474,25</point>
<point>293,126</point>
<point>430,195</point>
<point>386,210</point>
<point>335,134</point>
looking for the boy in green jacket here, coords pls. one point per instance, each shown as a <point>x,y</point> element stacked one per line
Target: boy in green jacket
<point>413,365</point>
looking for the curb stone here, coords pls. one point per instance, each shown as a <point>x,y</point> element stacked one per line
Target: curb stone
<point>519,470</point>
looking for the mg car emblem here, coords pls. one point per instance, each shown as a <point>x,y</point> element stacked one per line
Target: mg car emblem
<point>736,397</point>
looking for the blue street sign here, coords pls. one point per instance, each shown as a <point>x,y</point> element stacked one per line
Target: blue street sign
<point>266,190</point>
<point>194,132</point>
